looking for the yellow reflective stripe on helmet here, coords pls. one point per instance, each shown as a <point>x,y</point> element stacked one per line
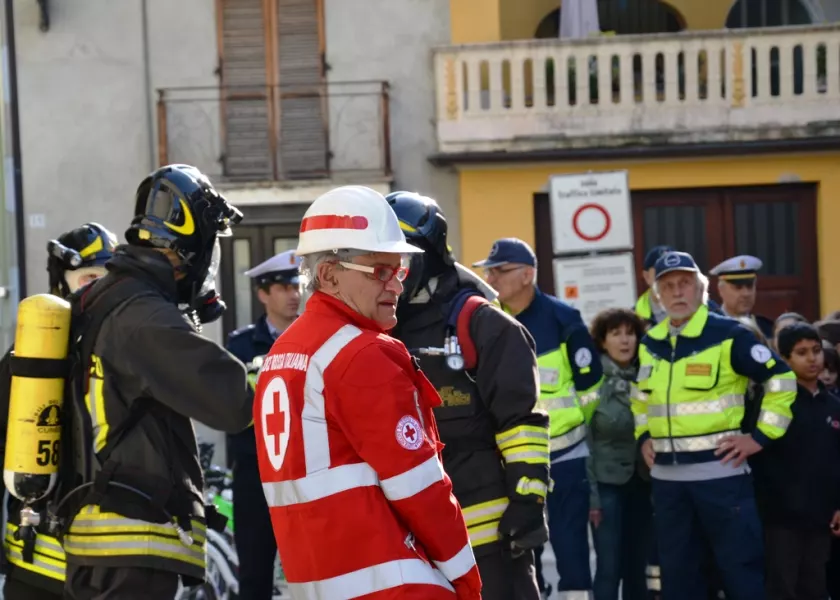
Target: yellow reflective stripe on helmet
<point>406,227</point>
<point>524,443</point>
<point>92,248</point>
<point>527,486</point>
<point>483,519</point>
<point>96,534</point>
<point>48,556</point>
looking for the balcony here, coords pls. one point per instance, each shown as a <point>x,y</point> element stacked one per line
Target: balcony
<point>237,135</point>
<point>650,90</point>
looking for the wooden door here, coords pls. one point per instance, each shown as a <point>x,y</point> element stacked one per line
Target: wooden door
<point>248,247</point>
<point>775,223</point>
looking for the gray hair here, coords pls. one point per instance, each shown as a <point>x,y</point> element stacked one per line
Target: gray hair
<point>702,286</point>
<point>309,265</point>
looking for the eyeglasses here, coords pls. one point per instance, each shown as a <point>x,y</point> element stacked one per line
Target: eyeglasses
<point>383,273</point>
<point>496,271</point>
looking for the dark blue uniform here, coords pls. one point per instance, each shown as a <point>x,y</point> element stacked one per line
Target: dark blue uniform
<point>253,532</point>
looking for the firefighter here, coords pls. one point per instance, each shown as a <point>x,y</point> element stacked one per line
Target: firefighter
<point>737,279</point>
<point>487,410</point>
<point>74,259</point>
<point>278,289</point>
<point>135,519</point>
<point>347,443</point>
<point>688,404</point>
<point>570,374</point>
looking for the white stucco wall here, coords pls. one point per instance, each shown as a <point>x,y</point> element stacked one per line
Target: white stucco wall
<point>85,111</point>
<point>392,40</point>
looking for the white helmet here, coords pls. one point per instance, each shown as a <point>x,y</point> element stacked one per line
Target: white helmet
<point>352,217</point>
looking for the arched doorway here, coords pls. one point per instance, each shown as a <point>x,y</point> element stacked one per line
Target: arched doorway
<point>623,17</point>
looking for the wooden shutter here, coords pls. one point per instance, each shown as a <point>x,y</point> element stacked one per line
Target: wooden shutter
<point>245,104</point>
<point>302,145</point>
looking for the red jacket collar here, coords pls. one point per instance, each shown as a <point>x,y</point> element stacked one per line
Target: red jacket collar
<point>325,304</point>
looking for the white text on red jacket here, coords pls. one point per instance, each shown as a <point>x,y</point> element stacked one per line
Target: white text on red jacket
<point>287,360</point>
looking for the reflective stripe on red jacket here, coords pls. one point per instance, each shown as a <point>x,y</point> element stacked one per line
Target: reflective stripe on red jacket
<point>349,459</point>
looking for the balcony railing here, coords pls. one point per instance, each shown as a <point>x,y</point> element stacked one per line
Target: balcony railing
<point>675,87</point>
<point>277,133</point>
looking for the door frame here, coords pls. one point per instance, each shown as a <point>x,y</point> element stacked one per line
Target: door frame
<point>266,221</point>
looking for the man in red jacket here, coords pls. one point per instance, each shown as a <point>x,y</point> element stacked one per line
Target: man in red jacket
<point>348,448</point>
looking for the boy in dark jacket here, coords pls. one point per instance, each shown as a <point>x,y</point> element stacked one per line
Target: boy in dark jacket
<point>798,477</point>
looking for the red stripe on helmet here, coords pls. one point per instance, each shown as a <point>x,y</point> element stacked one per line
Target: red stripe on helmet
<point>333,222</point>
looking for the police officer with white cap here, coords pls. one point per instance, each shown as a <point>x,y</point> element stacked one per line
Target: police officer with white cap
<point>737,278</point>
<point>277,283</point>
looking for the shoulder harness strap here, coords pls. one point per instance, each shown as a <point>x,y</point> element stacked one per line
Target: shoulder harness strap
<point>463,306</point>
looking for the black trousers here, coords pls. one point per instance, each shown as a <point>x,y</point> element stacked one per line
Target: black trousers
<point>796,561</point>
<point>506,578</point>
<point>256,546</point>
<point>833,570</point>
<point>14,589</point>
<point>119,583</point>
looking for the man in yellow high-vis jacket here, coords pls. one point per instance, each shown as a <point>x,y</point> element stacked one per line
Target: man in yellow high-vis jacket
<point>647,306</point>
<point>570,375</point>
<point>688,403</point>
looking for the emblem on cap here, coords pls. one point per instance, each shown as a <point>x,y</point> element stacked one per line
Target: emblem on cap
<point>495,249</point>
<point>743,264</point>
<point>672,260</point>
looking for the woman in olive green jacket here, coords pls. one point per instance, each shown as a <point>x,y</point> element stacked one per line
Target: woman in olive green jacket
<point>620,507</point>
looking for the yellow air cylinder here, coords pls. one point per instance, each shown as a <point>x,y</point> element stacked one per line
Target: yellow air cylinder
<point>33,439</point>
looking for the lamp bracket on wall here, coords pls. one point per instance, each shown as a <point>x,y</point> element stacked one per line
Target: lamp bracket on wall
<point>44,23</point>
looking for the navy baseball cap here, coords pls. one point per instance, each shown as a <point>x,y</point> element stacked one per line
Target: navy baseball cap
<point>508,250</point>
<point>675,261</point>
<point>653,255</point>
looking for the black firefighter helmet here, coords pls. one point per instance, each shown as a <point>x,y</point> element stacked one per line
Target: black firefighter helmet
<point>424,225</point>
<point>177,208</point>
<point>90,245</point>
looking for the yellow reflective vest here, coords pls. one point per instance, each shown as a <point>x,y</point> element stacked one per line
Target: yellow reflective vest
<point>569,366</point>
<point>691,387</point>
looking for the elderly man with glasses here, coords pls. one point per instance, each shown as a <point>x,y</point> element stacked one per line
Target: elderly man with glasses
<point>570,375</point>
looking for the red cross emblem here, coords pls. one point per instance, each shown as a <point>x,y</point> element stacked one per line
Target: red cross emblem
<point>409,433</point>
<point>275,422</point>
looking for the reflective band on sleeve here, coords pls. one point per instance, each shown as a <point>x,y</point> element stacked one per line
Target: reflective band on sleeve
<point>413,481</point>
<point>637,394</point>
<point>774,420</point>
<point>457,566</point>
<point>369,580</point>
<point>780,385</point>
<point>701,407</point>
<point>568,439</point>
<point>588,398</point>
<point>320,485</point>
<point>641,420</point>
<point>527,486</point>
<point>691,444</point>
<point>525,443</point>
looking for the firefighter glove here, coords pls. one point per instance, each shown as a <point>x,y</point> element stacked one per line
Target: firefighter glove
<point>524,526</point>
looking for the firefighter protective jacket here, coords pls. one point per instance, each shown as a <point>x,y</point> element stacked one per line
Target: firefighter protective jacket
<point>690,390</point>
<point>148,358</point>
<point>348,451</point>
<point>496,444</point>
<point>570,370</point>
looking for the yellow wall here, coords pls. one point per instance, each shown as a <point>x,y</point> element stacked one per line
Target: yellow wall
<point>498,201</point>
<point>496,20</point>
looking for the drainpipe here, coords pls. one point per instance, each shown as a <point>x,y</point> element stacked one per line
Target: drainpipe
<point>14,137</point>
<point>147,85</point>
